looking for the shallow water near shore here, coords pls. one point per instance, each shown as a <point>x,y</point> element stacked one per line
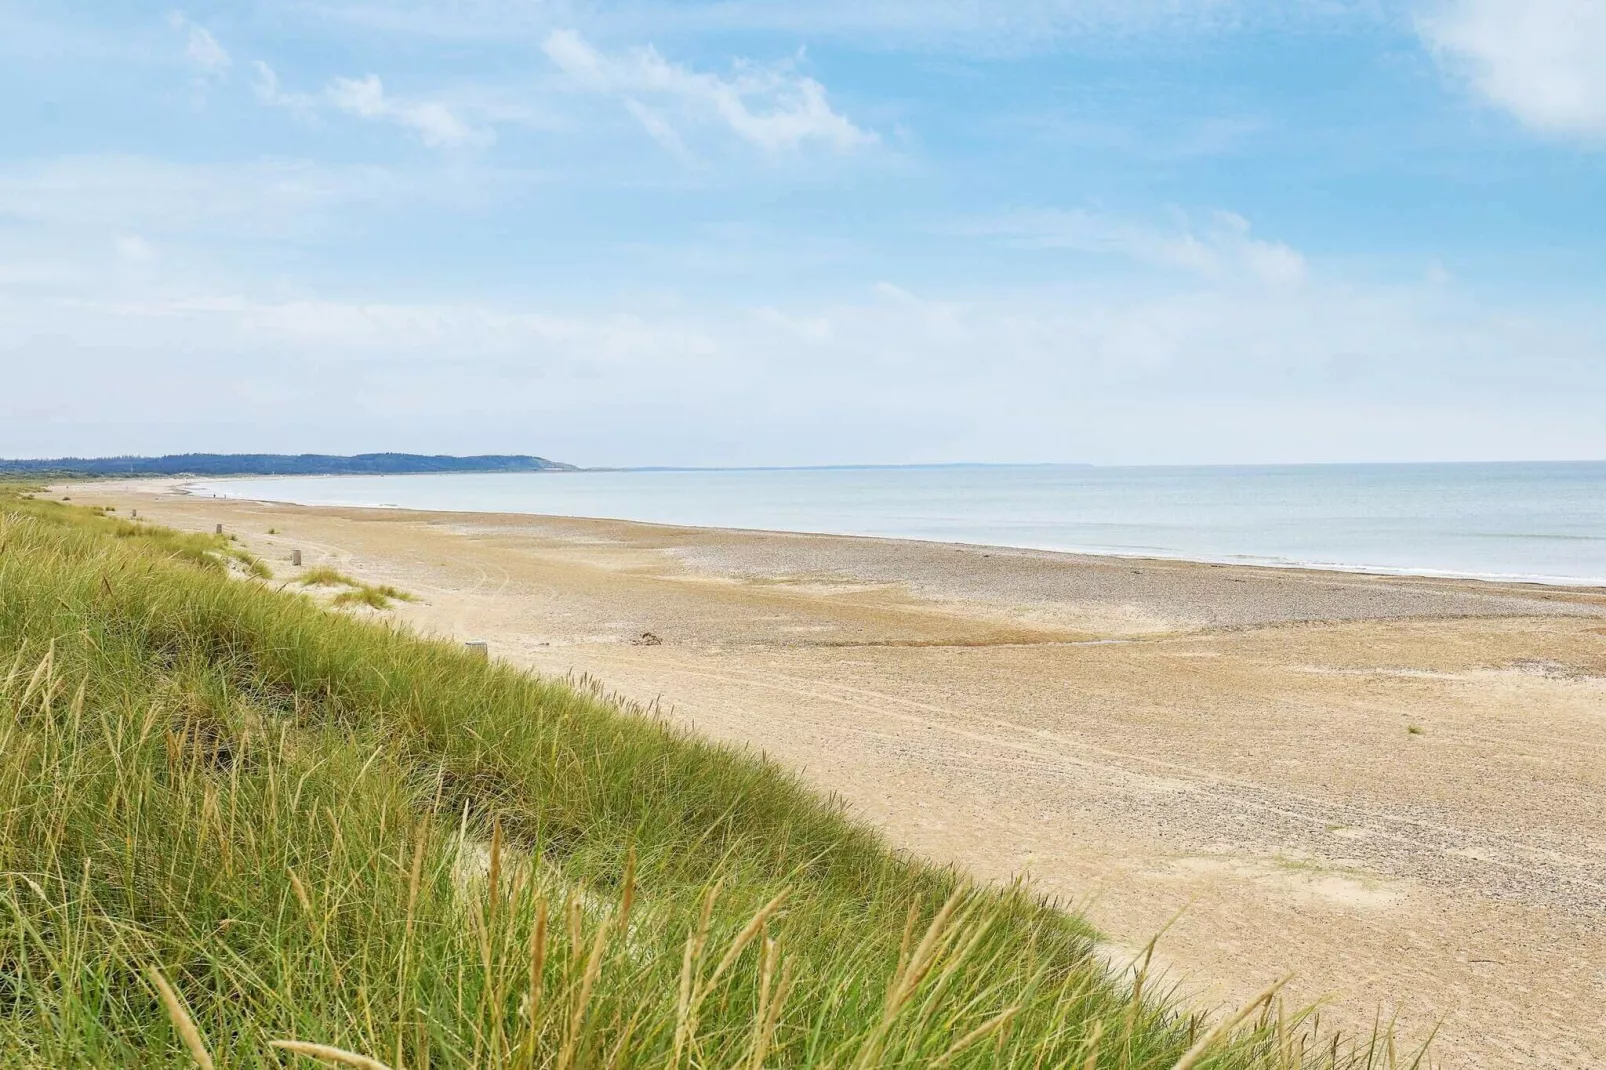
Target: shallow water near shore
<point>1540,522</point>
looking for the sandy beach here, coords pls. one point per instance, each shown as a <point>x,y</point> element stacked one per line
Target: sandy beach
<point>1393,788</point>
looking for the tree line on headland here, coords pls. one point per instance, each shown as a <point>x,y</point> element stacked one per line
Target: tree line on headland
<point>278,464</point>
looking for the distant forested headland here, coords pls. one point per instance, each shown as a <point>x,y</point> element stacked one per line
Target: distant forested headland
<point>277,464</point>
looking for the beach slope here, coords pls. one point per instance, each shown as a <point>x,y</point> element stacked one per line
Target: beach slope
<point>1392,787</point>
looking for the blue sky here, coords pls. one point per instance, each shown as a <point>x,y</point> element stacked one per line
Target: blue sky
<point>749,232</point>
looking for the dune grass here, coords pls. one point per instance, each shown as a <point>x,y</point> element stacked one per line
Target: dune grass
<point>326,576</point>
<point>210,552</point>
<point>374,596</point>
<point>237,829</point>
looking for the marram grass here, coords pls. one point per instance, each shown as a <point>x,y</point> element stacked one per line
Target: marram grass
<point>357,593</point>
<point>326,576</point>
<point>238,830</point>
<point>374,597</point>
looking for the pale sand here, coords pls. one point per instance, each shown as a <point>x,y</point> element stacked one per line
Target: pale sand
<point>1140,737</point>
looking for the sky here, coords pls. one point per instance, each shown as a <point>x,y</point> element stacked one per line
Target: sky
<point>749,232</point>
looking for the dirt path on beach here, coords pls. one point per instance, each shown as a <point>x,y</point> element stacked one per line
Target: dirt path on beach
<point>1393,788</point>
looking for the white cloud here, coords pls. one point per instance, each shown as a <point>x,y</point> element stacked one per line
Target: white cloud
<point>1544,61</point>
<point>658,128</point>
<point>265,83</point>
<point>209,58</point>
<point>205,52</point>
<point>434,122</point>
<point>1222,250</point>
<point>771,107</point>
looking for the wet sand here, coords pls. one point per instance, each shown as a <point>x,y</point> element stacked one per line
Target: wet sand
<point>1394,788</point>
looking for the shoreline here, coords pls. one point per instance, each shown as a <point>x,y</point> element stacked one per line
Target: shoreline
<point>1389,786</point>
<point>1587,585</point>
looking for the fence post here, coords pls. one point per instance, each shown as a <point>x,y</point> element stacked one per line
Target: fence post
<point>295,558</point>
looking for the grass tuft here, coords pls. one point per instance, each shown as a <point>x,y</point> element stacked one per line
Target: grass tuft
<point>325,576</point>
<point>375,597</point>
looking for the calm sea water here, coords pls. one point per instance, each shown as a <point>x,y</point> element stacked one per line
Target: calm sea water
<point>1532,521</point>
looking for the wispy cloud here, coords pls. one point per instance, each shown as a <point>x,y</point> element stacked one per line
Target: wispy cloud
<point>658,128</point>
<point>113,226</point>
<point>434,122</point>
<point>1544,61</point>
<point>263,200</point>
<point>1222,249</point>
<point>771,107</point>
<point>209,59</point>
<point>265,82</point>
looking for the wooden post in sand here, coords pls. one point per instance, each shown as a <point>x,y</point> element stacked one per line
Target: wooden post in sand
<point>479,648</point>
<point>220,529</point>
<point>133,514</point>
<point>295,558</point>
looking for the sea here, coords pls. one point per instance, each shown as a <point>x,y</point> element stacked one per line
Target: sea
<point>1529,521</point>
